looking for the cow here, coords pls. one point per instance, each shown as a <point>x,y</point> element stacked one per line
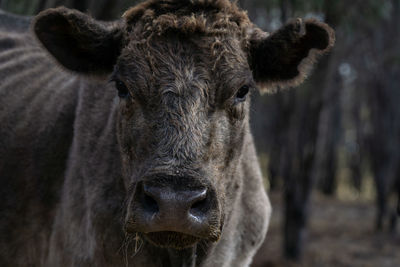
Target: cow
<point>127,143</point>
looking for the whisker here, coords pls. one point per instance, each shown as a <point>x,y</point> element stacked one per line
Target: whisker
<point>137,248</point>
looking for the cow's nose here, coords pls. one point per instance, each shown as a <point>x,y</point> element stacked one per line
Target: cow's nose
<point>174,206</point>
<point>187,204</point>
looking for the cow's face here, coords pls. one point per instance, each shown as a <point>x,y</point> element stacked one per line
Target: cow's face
<point>181,126</point>
<point>183,75</point>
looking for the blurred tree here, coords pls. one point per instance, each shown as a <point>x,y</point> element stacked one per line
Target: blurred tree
<point>309,110</point>
<point>383,96</point>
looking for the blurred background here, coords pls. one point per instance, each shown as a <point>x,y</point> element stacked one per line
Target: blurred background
<point>329,149</point>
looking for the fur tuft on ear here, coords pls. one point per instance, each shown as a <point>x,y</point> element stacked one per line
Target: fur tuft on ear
<point>284,58</point>
<point>77,41</point>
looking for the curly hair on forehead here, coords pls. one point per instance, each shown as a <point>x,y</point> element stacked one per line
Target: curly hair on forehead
<point>210,17</point>
<point>220,20</point>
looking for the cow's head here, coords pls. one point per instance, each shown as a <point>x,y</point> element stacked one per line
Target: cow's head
<point>183,71</point>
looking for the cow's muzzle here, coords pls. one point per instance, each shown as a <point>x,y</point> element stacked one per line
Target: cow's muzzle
<point>174,211</point>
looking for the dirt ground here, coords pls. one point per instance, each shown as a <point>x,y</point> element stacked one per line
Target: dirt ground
<point>340,234</point>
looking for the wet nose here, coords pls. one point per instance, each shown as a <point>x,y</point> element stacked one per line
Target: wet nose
<point>188,204</point>
<point>174,207</point>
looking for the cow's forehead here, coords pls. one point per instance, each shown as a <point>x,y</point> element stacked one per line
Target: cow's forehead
<point>182,65</point>
<point>213,31</point>
<point>182,46</point>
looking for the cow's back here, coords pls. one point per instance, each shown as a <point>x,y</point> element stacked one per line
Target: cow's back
<point>37,110</point>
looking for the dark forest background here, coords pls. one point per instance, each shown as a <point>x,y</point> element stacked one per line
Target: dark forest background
<point>329,149</point>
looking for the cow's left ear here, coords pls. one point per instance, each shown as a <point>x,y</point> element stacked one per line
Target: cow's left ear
<point>284,58</point>
<point>79,42</point>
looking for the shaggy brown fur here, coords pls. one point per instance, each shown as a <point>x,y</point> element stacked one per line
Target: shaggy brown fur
<point>74,157</point>
<point>207,17</point>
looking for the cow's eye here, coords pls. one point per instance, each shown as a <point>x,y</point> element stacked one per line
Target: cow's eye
<point>241,93</point>
<point>123,91</point>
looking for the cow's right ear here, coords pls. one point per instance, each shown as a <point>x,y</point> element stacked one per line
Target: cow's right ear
<point>79,42</point>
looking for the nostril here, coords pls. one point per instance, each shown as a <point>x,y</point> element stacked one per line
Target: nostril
<point>200,206</point>
<point>150,204</point>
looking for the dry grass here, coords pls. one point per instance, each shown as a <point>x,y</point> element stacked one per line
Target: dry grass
<point>340,234</point>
